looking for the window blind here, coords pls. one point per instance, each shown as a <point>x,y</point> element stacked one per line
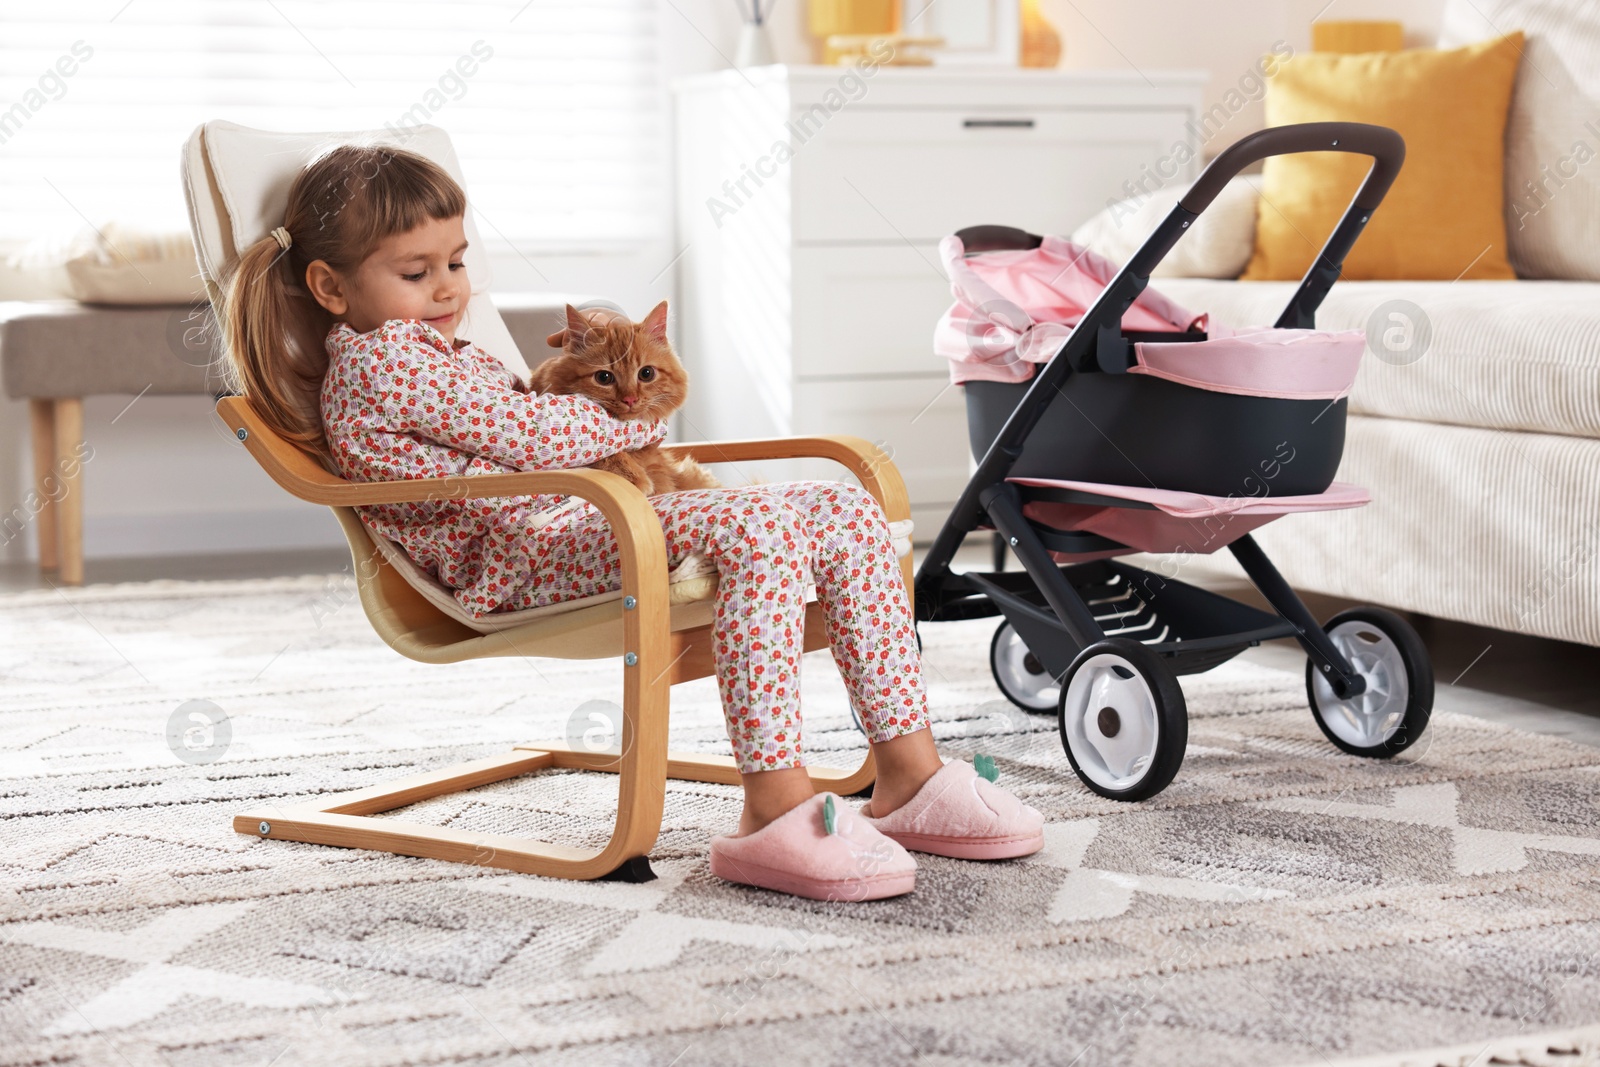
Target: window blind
<point>555,106</point>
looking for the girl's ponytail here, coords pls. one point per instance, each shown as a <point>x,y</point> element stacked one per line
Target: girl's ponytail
<point>273,332</point>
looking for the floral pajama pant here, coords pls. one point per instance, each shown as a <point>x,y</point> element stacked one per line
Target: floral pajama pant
<point>764,540</point>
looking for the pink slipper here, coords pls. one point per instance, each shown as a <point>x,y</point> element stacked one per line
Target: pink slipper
<point>961,814</point>
<point>822,850</point>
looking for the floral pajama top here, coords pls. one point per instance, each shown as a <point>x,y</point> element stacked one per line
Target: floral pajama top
<point>398,402</point>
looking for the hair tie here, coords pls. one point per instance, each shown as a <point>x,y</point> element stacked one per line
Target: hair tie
<point>281,235</point>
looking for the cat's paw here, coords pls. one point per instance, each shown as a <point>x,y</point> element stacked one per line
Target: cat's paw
<point>693,476</point>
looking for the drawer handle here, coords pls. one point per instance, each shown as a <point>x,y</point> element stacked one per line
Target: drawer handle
<point>997,124</point>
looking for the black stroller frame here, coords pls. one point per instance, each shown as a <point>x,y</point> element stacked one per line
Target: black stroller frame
<point>1150,626</point>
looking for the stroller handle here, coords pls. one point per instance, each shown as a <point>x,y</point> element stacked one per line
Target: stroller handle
<point>1386,147</point>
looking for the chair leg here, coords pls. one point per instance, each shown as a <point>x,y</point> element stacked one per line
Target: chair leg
<point>697,767</point>
<point>69,470</point>
<point>342,820</point>
<point>42,418</point>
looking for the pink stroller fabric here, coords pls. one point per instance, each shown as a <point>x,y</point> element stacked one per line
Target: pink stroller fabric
<point>1181,522</point>
<point>1016,308</point>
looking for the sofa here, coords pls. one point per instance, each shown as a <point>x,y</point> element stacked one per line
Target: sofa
<point>1480,441</point>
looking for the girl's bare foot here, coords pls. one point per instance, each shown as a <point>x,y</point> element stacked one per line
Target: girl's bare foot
<point>769,794</point>
<point>905,764</point>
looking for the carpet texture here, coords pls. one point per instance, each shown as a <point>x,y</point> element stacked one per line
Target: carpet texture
<point>1280,903</point>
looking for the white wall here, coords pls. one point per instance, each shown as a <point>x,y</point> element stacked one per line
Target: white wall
<point>167,480</point>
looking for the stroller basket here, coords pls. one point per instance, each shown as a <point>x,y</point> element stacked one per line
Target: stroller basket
<point>1129,430</point>
<point>1200,408</point>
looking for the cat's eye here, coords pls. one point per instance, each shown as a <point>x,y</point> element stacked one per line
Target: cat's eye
<point>646,373</point>
<point>604,377</point>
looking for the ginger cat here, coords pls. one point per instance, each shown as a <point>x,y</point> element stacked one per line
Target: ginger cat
<point>632,371</point>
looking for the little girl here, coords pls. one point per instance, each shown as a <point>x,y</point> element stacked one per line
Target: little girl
<point>344,328</point>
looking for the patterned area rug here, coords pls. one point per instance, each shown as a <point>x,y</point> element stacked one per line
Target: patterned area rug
<point>1280,903</point>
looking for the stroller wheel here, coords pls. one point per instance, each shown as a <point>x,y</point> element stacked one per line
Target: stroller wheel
<point>1020,675</point>
<point>1124,722</point>
<point>1391,715</point>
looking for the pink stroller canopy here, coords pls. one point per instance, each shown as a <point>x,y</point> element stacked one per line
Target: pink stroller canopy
<point>1016,308</point>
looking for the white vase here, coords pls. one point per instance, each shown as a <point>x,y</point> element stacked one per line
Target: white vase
<point>755,47</point>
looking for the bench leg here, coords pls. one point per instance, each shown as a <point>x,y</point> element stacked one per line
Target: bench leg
<point>69,470</point>
<point>43,420</point>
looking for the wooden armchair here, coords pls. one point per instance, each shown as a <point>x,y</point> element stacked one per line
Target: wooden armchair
<point>659,643</point>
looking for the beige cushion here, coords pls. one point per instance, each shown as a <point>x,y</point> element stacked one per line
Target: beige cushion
<point>237,180</point>
<point>1506,355</point>
<point>122,264</point>
<point>1217,246</point>
<point>1552,130</point>
<point>693,579</point>
<point>114,263</point>
<point>38,270</point>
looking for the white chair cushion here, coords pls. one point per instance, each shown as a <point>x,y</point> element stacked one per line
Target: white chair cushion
<point>249,171</point>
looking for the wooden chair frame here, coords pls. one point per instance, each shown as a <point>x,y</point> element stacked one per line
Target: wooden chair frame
<point>655,658</point>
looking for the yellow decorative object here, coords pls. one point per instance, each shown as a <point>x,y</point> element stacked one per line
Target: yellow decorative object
<point>854,17</point>
<point>881,49</point>
<point>1357,36</point>
<point>1443,219</point>
<point>1041,44</point>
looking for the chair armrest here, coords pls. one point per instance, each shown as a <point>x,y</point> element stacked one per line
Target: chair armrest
<point>579,481</point>
<point>297,473</point>
<point>878,474</point>
<point>626,509</point>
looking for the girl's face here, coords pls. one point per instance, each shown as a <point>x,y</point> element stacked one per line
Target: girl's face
<point>418,274</point>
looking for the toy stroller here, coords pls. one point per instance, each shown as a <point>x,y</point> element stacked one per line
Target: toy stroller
<point>1143,431</point>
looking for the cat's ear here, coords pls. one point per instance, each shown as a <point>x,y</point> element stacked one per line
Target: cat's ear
<point>655,323</point>
<point>576,333</point>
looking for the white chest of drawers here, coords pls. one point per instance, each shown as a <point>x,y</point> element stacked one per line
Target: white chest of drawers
<point>810,204</point>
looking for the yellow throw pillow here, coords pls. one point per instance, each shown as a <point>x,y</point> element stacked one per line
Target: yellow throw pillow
<point>1444,217</point>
